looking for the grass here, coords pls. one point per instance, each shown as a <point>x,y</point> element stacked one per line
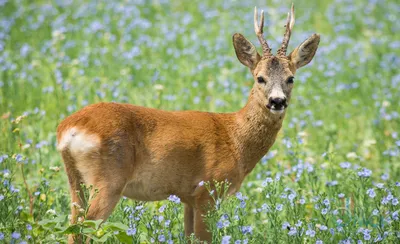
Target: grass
<point>335,163</point>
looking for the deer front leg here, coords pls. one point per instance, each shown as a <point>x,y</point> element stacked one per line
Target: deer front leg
<point>200,226</point>
<point>189,219</point>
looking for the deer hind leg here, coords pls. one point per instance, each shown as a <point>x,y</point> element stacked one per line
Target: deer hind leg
<point>189,219</point>
<point>107,181</point>
<point>77,197</point>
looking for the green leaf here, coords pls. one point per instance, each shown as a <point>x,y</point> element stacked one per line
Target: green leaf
<point>72,229</point>
<point>93,223</point>
<point>115,226</point>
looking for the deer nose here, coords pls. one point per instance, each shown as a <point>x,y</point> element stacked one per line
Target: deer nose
<point>277,102</point>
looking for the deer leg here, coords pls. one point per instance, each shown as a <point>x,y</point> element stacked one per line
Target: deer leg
<point>200,226</point>
<point>189,219</point>
<point>77,197</point>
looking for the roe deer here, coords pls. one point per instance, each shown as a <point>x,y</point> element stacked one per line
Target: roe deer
<point>148,154</point>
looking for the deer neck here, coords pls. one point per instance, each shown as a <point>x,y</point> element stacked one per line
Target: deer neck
<point>256,131</point>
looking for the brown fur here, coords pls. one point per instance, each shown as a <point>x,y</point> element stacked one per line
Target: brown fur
<point>148,154</point>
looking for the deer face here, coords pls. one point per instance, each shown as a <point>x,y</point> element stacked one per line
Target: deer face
<point>274,75</point>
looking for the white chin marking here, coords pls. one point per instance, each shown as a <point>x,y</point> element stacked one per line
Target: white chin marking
<point>274,111</point>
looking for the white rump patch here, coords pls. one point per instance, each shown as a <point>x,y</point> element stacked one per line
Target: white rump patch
<point>78,142</point>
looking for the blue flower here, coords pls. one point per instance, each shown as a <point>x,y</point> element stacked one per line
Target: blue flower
<point>365,173</point>
<point>174,199</point>
<point>161,238</point>
<point>375,212</point>
<point>302,201</point>
<point>131,231</point>
<point>293,231</point>
<point>247,230</point>
<point>324,211</point>
<point>323,227</point>
<point>310,233</point>
<point>1,236</point>
<point>226,239</point>
<point>319,242</point>
<point>345,165</point>
<point>371,193</point>
<point>285,225</point>
<point>15,235</point>
<point>279,207</point>
<point>1,197</point>
<point>395,201</point>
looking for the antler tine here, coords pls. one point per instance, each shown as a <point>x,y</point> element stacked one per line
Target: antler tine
<point>259,32</point>
<point>288,32</point>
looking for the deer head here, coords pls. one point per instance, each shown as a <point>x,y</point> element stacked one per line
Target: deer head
<point>274,74</point>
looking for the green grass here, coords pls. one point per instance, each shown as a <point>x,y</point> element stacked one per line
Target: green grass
<point>57,58</point>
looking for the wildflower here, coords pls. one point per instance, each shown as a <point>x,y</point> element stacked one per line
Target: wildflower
<point>310,233</point>
<point>226,239</point>
<point>162,208</point>
<point>324,211</point>
<point>323,227</point>
<point>240,196</point>
<point>365,173</point>
<point>345,165</point>
<point>238,242</point>
<point>279,207</point>
<point>247,230</point>
<point>1,236</point>
<point>3,157</point>
<point>351,155</point>
<point>293,231</point>
<point>51,211</point>
<point>15,235</point>
<point>131,231</point>
<point>375,212</point>
<point>302,201</point>
<point>385,177</point>
<point>319,242</point>
<point>335,212</point>
<point>201,183</point>
<point>367,236</point>
<point>1,197</point>
<point>339,221</point>
<point>326,202</point>
<point>29,227</point>
<point>371,193</point>
<point>395,215</point>
<point>291,196</point>
<point>285,226</point>
<point>379,185</point>
<point>174,199</point>
<point>161,238</point>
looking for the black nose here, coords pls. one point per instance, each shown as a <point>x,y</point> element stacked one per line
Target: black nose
<point>277,102</point>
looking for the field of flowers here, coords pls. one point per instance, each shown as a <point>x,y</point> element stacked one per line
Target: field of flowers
<point>333,175</point>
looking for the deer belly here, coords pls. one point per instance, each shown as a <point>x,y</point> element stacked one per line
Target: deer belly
<point>145,191</point>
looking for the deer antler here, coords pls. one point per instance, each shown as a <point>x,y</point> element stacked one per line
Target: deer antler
<point>259,32</point>
<point>286,37</point>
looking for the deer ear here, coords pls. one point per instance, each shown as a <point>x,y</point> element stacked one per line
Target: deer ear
<point>245,51</point>
<point>305,52</point>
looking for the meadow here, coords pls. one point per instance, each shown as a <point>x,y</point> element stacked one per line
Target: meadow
<point>333,175</point>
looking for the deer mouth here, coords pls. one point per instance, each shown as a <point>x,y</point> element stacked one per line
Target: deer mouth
<point>276,109</point>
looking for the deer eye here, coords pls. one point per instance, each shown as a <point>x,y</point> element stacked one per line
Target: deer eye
<point>260,80</point>
<point>290,80</point>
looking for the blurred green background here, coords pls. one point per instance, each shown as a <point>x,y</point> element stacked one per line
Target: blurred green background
<point>59,56</point>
